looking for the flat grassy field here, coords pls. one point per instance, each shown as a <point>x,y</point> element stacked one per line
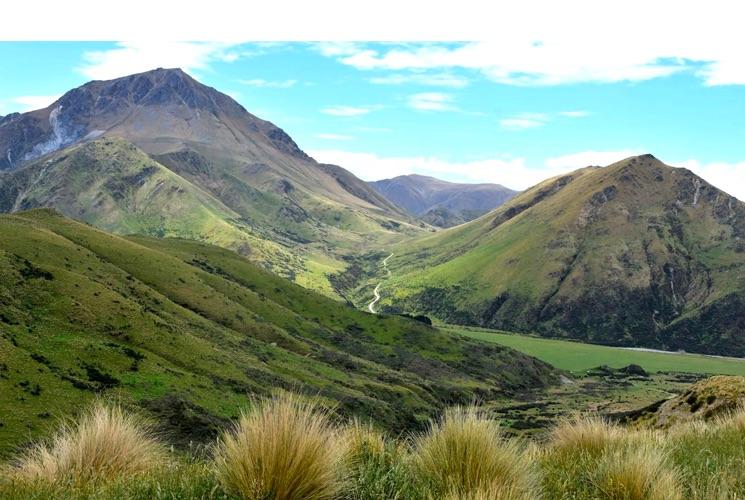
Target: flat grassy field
<point>577,357</point>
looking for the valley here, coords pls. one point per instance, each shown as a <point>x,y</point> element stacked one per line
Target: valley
<point>188,332</point>
<point>163,249</point>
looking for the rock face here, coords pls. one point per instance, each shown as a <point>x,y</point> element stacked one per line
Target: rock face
<point>637,253</point>
<point>442,203</point>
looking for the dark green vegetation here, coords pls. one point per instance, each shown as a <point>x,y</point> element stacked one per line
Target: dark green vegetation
<point>187,331</point>
<point>635,254</point>
<point>173,157</point>
<point>441,203</point>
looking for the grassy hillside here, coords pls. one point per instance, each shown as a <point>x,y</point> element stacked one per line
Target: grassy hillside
<point>187,331</point>
<point>636,253</point>
<point>114,185</point>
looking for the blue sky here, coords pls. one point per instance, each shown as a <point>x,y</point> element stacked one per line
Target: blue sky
<point>468,112</point>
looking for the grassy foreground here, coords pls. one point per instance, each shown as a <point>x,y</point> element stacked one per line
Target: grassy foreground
<point>578,357</point>
<point>288,448</point>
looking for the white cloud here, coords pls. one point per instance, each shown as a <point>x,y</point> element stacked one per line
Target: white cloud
<point>729,177</point>
<point>347,110</point>
<point>259,82</point>
<point>431,101</point>
<point>514,172</point>
<point>575,41</point>
<point>128,58</point>
<point>334,49</point>
<point>427,79</point>
<point>525,121</point>
<point>511,172</point>
<point>575,114</point>
<point>26,103</point>
<point>335,137</point>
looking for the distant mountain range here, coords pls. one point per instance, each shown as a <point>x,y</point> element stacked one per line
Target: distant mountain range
<point>159,153</point>
<point>442,203</point>
<point>636,253</point>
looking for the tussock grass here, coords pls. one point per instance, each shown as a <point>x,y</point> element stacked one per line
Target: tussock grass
<point>711,456</point>
<point>362,439</point>
<point>182,480</point>
<point>587,457</point>
<point>465,455</point>
<point>283,448</point>
<point>378,467</point>
<point>638,471</point>
<point>105,443</point>
<point>289,448</point>
<point>585,434</point>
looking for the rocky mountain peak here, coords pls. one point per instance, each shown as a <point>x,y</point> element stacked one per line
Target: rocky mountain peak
<point>161,103</point>
<point>159,87</point>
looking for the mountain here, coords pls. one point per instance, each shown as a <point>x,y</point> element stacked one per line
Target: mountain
<point>189,331</point>
<point>159,153</point>
<point>442,203</point>
<point>637,253</point>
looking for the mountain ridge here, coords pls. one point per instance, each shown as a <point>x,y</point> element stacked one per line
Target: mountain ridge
<point>635,253</point>
<point>442,203</point>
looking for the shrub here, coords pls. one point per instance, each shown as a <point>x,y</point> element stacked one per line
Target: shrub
<point>283,448</point>
<point>104,443</point>
<point>464,455</point>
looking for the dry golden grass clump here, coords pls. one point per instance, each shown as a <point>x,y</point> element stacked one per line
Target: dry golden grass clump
<point>734,420</point>
<point>105,443</point>
<point>361,438</point>
<point>464,455</point>
<point>585,434</point>
<point>283,448</point>
<point>637,472</point>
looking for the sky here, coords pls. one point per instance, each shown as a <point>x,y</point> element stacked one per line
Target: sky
<point>512,111</point>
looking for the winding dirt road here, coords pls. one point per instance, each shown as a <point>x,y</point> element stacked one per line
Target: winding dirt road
<point>376,292</point>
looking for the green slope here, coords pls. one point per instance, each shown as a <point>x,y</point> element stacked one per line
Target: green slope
<point>114,185</point>
<point>188,331</point>
<point>637,253</point>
